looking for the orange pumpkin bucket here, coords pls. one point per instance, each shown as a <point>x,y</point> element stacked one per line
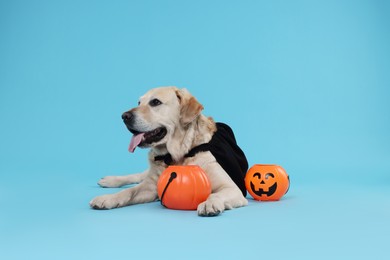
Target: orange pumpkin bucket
<point>267,182</point>
<point>183,187</point>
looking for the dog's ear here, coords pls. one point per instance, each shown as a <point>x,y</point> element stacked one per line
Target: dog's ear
<point>190,108</point>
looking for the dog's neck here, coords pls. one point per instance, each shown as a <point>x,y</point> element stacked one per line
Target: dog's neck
<point>185,138</point>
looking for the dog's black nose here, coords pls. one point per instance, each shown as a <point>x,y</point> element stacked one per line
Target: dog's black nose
<point>127,116</point>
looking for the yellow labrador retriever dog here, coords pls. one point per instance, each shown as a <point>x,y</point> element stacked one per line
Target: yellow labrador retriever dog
<point>168,120</point>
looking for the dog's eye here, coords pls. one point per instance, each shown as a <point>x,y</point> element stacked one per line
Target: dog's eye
<point>155,102</point>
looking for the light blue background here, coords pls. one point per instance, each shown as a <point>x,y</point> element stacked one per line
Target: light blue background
<point>304,84</point>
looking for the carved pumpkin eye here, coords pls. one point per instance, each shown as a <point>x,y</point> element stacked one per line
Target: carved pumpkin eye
<point>269,175</point>
<point>258,175</point>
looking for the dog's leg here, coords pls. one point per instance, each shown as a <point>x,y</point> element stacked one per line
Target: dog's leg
<point>225,193</point>
<point>119,181</point>
<point>146,191</point>
<point>217,202</point>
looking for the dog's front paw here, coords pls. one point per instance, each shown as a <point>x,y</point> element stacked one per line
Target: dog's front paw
<point>236,203</point>
<point>108,201</point>
<point>213,206</point>
<point>111,182</point>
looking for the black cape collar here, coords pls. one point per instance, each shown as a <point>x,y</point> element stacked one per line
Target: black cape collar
<point>167,158</point>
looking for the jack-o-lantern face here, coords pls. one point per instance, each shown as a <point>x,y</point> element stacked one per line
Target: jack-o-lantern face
<point>263,184</point>
<point>267,182</point>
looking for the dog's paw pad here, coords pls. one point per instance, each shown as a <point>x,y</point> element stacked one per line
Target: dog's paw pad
<point>210,208</point>
<point>104,202</point>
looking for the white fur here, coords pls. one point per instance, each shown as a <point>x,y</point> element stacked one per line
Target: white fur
<point>186,128</point>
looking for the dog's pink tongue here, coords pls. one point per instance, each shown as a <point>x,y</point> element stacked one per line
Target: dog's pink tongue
<point>135,141</point>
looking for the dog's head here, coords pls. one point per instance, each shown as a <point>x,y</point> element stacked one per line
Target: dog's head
<point>161,113</point>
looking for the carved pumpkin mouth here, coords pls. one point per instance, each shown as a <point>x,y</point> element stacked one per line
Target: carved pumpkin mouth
<point>261,192</point>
